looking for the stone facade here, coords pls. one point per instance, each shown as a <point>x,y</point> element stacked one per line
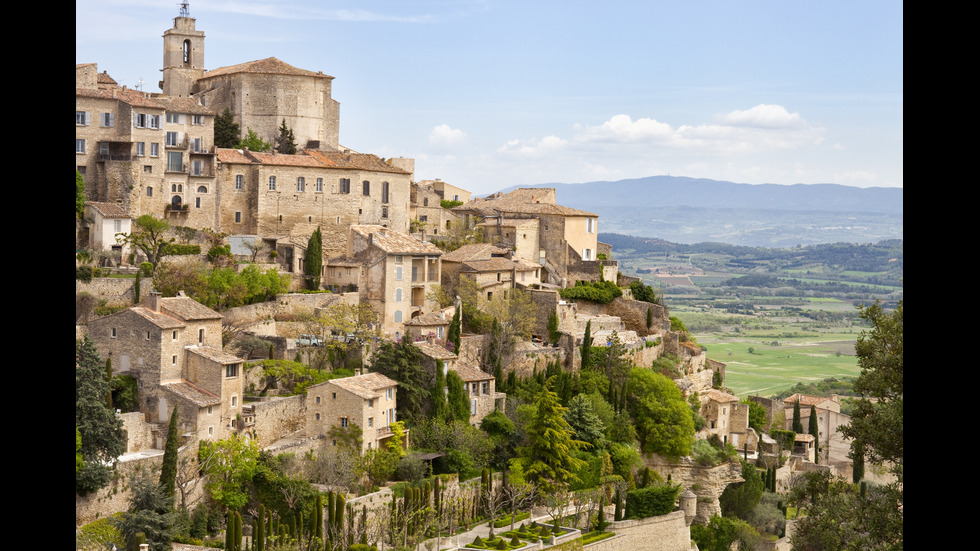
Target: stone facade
<point>368,401</point>
<point>662,533</point>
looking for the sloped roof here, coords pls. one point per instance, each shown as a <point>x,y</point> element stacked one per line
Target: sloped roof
<point>522,201</point>
<point>366,386</point>
<point>188,308</point>
<point>312,158</point>
<point>191,392</point>
<point>108,210</point>
<point>434,351</point>
<point>473,251</point>
<point>184,105</point>
<point>720,396</point>
<point>124,95</point>
<point>805,400</point>
<point>471,373</point>
<point>489,265</point>
<point>394,242</point>
<point>428,318</point>
<point>268,66</point>
<point>161,320</point>
<point>215,355</point>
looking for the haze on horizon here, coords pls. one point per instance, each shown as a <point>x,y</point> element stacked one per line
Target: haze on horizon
<point>488,94</point>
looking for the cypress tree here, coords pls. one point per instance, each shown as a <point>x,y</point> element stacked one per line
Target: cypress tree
<point>587,347</point>
<point>602,514</point>
<point>649,318</point>
<point>618,515</point>
<point>338,516</point>
<point>238,531</point>
<point>136,289</point>
<point>108,378</point>
<point>439,404</point>
<point>455,330</point>
<point>168,470</point>
<point>258,537</point>
<point>815,432</point>
<point>314,258</point>
<point>857,461</point>
<point>797,423</point>
<point>318,527</point>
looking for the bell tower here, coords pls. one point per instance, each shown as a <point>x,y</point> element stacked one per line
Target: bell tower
<point>183,55</point>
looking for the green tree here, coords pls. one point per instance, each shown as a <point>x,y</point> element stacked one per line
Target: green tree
<point>440,407</point>
<point>149,236</point>
<point>584,422</point>
<point>797,421</point>
<point>587,347</point>
<point>740,498</point>
<point>150,513</point>
<point>79,194</point>
<point>103,439</point>
<point>839,517</point>
<point>226,130</point>
<point>549,457</point>
<point>664,422</point>
<point>455,331</point>
<point>878,425</point>
<point>168,470</point>
<point>553,332</point>
<point>231,464</point>
<point>79,461</point>
<point>814,431</point>
<point>253,142</point>
<point>402,362</point>
<point>459,402</point>
<point>757,415</point>
<point>314,259</point>
<point>285,140</point>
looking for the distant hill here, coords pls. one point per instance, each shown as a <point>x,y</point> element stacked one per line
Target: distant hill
<point>692,210</point>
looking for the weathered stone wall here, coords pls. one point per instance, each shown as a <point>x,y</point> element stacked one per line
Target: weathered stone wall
<point>707,482</point>
<point>661,533</point>
<point>139,433</point>
<point>278,417</point>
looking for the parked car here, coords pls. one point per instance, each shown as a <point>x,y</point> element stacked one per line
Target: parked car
<point>309,340</point>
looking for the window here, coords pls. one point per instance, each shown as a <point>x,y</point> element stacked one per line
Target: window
<point>343,422</point>
<point>81,118</point>
<point>366,188</point>
<point>140,149</point>
<point>202,189</point>
<point>485,388</point>
<point>196,146</point>
<point>389,393</point>
<point>587,254</point>
<point>371,403</point>
<point>473,407</point>
<point>334,395</point>
<point>344,185</point>
<point>149,190</point>
<point>113,335</point>
<point>154,150</point>
<point>301,184</point>
<point>319,185</point>
<point>210,410</point>
<point>398,295</point>
<point>107,120</point>
<point>175,335</point>
<point>238,217</point>
<point>590,225</point>
<point>398,273</point>
<point>173,360</point>
<point>370,422</point>
<point>425,202</point>
<point>210,431</point>
<point>200,336</point>
<point>317,400</point>
<point>384,212</point>
<point>239,181</point>
<point>197,168</point>
<point>117,228</point>
<point>175,161</point>
<point>384,193</point>
<point>172,139</point>
<point>79,146</point>
<point>197,120</point>
<point>103,148</point>
<point>81,170</point>
<point>317,416</point>
<point>234,401</point>
<point>272,183</point>
<point>231,370</point>
<point>398,316</point>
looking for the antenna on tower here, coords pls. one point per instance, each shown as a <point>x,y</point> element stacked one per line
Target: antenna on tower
<point>139,84</point>
<point>185,9</point>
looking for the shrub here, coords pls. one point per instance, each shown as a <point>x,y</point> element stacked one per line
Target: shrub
<point>652,501</point>
<point>84,273</point>
<point>602,292</point>
<point>146,269</point>
<point>176,249</point>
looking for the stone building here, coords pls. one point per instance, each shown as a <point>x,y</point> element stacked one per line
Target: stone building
<point>728,419</point>
<point>492,269</point>
<point>368,401</point>
<point>829,418</point>
<point>429,218</point>
<point>172,347</point>
<point>480,386</point>
<point>566,245</point>
<point>397,274</point>
<point>105,220</point>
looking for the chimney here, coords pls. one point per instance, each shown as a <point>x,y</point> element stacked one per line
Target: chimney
<point>153,301</point>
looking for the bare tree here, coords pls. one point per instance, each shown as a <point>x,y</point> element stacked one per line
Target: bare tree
<point>519,496</point>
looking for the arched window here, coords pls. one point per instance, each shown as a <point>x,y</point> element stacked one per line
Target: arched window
<point>187,52</point>
<point>202,189</point>
<point>175,202</point>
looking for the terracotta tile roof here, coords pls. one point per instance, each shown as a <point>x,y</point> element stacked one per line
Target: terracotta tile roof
<point>805,400</point>
<point>215,355</point>
<point>188,309</point>
<point>184,105</point>
<point>109,210</point>
<point>434,351</point>
<point>471,373</point>
<point>124,95</point>
<point>474,251</point>
<point>720,396</point>
<point>104,78</point>
<point>312,158</point>
<point>189,391</point>
<point>269,66</point>
<point>522,201</point>
<point>367,385</point>
<point>393,242</point>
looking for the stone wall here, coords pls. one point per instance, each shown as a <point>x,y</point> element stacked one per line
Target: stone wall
<point>707,482</point>
<point>661,533</point>
<point>277,418</point>
<point>139,433</point>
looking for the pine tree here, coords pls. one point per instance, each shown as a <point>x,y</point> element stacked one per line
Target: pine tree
<point>226,130</point>
<point>549,459</point>
<point>103,440</point>
<point>314,258</point>
<point>285,140</point>
<point>168,470</point>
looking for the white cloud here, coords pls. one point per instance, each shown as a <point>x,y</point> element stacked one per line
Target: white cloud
<point>544,146</point>
<point>446,136</point>
<point>621,128</point>
<point>763,116</point>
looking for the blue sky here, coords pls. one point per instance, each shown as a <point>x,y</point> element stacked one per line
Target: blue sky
<point>489,94</point>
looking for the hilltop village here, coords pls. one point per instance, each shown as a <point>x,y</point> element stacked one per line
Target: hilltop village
<point>282,294</point>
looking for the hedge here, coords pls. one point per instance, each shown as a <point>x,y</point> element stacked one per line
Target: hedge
<point>653,501</point>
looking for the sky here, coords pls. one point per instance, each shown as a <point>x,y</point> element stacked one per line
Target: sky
<point>489,94</point>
